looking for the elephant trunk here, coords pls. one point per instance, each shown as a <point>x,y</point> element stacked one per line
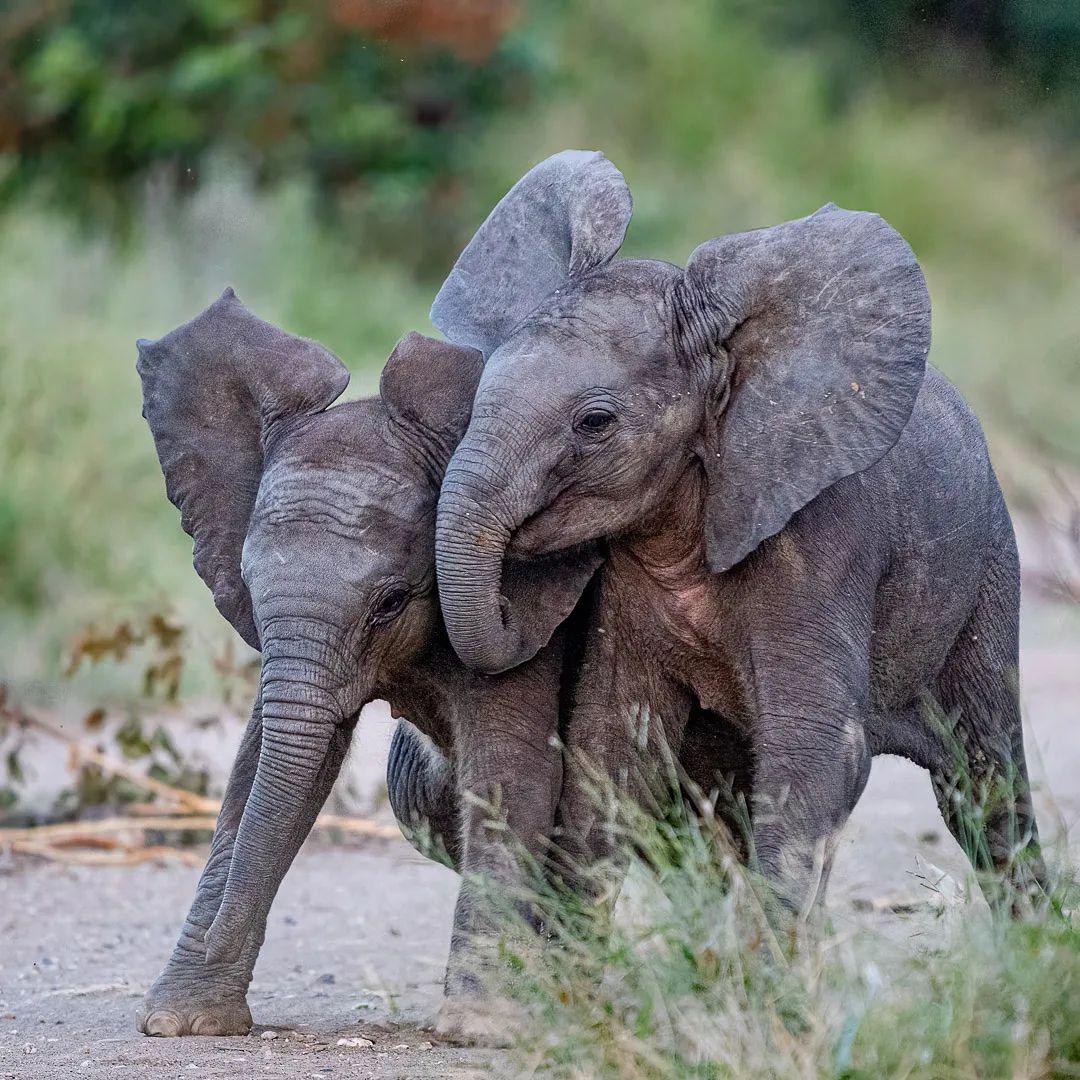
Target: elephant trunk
<point>299,720</point>
<point>423,794</point>
<point>472,534</point>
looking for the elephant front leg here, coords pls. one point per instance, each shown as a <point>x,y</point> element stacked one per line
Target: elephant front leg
<point>509,777</point>
<point>192,996</point>
<point>812,764</point>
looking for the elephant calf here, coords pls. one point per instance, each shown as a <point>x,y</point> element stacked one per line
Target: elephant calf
<point>806,534</point>
<point>314,529</point>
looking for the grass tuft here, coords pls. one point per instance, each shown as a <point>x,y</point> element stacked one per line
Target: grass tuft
<point>700,976</point>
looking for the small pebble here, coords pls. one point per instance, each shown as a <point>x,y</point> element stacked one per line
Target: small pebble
<point>424,1046</point>
<point>268,1035</point>
<point>400,1046</point>
<point>29,1048</point>
<point>356,1040</point>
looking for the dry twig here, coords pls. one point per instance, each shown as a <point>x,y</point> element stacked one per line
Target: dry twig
<point>88,843</point>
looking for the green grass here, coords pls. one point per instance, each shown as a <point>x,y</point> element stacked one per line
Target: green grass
<point>716,130</point>
<point>698,976</point>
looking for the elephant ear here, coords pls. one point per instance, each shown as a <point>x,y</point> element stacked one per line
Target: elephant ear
<point>429,385</point>
<point>824,328</point>
<point>564,217</point>
<point>211,389</point>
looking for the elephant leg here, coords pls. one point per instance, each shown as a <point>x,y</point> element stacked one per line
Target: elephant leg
<point>806,783</point>
<point>509,777</point>
<point>192,996</point>
<point>423,793</point>
<point>623,736</point>
<point>981,778</point>
<point>812,757</point>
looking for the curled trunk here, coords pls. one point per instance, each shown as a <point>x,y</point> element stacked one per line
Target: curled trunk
<point>470,549</point>
<point>423,794</point>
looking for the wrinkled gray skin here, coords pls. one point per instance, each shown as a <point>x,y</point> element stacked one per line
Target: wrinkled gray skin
<point>806,535</point>
<point>314,529</point>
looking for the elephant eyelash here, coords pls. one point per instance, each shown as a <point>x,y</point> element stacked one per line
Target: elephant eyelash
<point>596,421</point>
<point>390,603</point>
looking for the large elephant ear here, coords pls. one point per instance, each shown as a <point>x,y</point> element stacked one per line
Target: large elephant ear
<point>564,217</point>
<point>211,388</point>
<point>823,326</point>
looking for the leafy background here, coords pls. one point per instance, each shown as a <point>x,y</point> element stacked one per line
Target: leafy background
<point>329,159</point>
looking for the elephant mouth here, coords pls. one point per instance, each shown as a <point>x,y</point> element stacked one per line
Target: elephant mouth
<point>556,528</point>
<point>530,539</point>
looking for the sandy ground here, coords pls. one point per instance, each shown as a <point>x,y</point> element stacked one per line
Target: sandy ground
<point>358,938</point>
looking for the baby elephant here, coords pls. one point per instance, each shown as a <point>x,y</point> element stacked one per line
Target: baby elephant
<point>806,534</point>
<point>314,529</point>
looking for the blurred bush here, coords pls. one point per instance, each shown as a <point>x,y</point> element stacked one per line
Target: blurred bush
<point>1037,42</point>
<point>96,94</point>
<point>376,95</point>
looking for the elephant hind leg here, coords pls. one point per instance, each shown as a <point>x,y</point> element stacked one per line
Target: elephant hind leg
<point>981,781</point>
<point>423,794</point>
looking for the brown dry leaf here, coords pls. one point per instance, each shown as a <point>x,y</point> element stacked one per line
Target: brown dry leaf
<point>94,719</point>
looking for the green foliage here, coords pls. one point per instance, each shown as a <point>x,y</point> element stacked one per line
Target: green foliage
<point>100,93</point>
<point>92,537</point>
<point>718,130</point>
<point>1034,44</point>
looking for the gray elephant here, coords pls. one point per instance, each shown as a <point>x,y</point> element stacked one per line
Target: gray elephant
<point>314,529</point>
<point>806,534</point>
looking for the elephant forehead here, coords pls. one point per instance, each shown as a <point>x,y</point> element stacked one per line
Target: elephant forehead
<point>353,494</point>
<point>622,313</point>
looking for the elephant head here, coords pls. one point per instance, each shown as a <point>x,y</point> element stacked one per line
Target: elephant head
<point>314,529</point>
<point>776,363</point>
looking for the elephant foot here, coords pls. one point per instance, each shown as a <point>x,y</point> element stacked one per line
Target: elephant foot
<point>170,1018</point>
<point>484,1022</point>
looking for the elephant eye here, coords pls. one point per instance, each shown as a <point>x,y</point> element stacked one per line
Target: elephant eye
<point>596,420</point>
<point>391,603</point>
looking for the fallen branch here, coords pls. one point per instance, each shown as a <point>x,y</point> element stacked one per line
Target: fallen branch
<point>87,843</point>
<point>358,826</point>
<point>119,857</point>
<point>192,803</point>
<point>75,830</point>
<point>197,804</point>
<point>1053,585</point>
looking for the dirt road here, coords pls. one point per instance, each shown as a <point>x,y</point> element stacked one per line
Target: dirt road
<point>358,939</point>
